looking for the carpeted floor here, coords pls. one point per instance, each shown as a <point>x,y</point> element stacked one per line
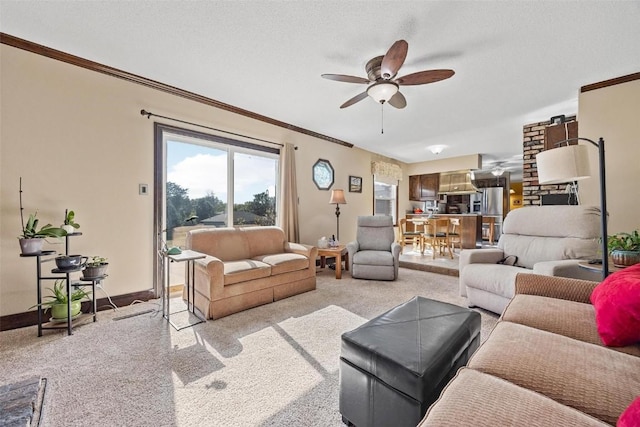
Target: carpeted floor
<point>274,365</point>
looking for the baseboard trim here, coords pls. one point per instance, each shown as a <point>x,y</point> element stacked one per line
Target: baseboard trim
<point>30,318</point>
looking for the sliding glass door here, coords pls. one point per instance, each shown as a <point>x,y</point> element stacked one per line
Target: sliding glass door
<point>199,177</point>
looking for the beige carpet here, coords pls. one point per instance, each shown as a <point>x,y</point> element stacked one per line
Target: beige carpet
<point>275,365</point>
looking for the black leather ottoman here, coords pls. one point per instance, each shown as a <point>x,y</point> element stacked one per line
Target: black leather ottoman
<point>393,367</point>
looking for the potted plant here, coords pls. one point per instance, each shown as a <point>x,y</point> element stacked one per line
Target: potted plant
<point>624,248</point>
<point>96,266</point>
<point>32,239</point>
<point>70,226</point>
<point>58,301</point>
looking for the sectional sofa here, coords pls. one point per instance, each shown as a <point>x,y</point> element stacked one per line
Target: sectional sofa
<point>545,362</point>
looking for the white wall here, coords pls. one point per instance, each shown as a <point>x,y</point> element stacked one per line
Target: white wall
<point>613,113</point>
<point>78,140</point>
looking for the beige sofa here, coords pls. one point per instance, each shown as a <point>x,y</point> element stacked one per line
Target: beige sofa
<point>543,364</point>
<point>248,267</point>
<point>548,240</point>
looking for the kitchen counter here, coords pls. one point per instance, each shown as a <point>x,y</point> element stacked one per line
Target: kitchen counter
<point>470,227</point>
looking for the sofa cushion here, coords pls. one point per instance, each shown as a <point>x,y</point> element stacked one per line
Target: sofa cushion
<point>226,244</point>
<point>631,416</point>
<point>373,258</point>
<point>284,262</point>
<point>264,240</point>
<point>569,318</point>
<point>495,278</point>
<point>617,304</point>
<point>473,398</point>
<point>589,378</point>
<point>375,233</point>
<point>547,233</point>
<point>245,269</point>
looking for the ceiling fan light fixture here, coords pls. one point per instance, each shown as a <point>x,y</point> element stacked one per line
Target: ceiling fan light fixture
<point>383,91</point>
<point>497,171</point>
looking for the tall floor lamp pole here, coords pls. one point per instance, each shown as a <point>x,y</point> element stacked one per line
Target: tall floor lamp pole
<point>337,198</point>
<point>570,163</point>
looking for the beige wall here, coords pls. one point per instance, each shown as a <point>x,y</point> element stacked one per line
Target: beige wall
<point>613,113</point>
<point>78,140</point>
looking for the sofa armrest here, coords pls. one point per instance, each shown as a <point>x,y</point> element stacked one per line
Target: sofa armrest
<point>566,268</point>
<point>209,277</point>
<point>301,249</point>
<point>480,256</point>
<point>311,252</point>
<point>352,248</point>
<point>476,256</point>
<point>555,287</point>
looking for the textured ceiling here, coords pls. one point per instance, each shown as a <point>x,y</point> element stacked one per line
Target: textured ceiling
<point>516,62</point>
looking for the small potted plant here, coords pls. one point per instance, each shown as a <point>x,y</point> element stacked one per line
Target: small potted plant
<point>58,301</point>
<point>96,266</point>
<point>70,226</point>
<point>624,248</point>
<point>32,239</point>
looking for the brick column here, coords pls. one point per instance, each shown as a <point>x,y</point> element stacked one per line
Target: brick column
<point>532,144</point>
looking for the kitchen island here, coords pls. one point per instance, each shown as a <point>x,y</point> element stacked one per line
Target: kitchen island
<point>470,227</point>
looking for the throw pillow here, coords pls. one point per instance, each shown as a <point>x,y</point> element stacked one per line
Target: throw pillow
<point>617,304</point>
<point>631,416</point>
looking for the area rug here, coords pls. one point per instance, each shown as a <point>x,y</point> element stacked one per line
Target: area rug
<point>274,365</point>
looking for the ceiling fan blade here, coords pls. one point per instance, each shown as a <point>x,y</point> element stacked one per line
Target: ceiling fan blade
<point>355,99</point>
<point>424,77</point>
<point>394,59</point>
<point>398,100</point>
<point>346,79</point>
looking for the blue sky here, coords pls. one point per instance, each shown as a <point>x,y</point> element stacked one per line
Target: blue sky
<point>203,170</point>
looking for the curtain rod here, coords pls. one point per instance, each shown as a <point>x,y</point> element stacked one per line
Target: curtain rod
<point>149,114</point>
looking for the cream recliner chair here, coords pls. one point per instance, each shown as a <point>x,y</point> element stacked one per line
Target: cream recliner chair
<point>547,240</point>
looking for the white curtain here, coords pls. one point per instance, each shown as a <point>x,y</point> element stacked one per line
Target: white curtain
<point>288,202</point>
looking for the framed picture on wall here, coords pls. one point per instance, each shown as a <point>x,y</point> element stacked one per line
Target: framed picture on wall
<point>355,184</point>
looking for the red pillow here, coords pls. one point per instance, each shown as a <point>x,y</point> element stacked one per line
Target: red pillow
<point>631,416</point>
<point>617,304</point>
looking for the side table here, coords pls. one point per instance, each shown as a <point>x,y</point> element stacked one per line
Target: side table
<point>339,253</point>
<point>189,257</point>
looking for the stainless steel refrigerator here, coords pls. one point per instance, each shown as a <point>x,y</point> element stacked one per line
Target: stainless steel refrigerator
<point>490,203</point>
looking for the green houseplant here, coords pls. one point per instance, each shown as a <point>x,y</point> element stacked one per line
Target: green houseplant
<point>624,248</point>
<point>32,238</point>
<point>58,301</point>
<point>96,266</point>
<point>70,226</point>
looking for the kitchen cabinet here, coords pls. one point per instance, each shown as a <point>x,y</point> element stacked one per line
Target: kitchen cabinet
<point>424,187</point>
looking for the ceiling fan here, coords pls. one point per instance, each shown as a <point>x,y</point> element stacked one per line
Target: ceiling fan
<point>383,84</point>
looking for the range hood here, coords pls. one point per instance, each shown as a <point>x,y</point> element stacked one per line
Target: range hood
<point>458,182</point>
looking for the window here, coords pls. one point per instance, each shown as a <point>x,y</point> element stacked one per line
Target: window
<point>210,181</point>
<point>385,198</point>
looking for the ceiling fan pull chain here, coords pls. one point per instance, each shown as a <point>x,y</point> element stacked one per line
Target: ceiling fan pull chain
<point>382,117</point>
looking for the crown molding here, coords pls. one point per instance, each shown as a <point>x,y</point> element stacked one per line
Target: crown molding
<point>38,49</point>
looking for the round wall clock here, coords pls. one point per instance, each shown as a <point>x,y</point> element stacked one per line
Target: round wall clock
<point>322,174</point>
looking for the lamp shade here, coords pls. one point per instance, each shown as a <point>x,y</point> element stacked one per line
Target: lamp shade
<point>337,197</point>
<point>563,164</point>
<point>383,91</point>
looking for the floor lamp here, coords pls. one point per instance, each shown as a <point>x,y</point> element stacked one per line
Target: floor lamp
<point>337,198</point>
<point>571,163</point>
